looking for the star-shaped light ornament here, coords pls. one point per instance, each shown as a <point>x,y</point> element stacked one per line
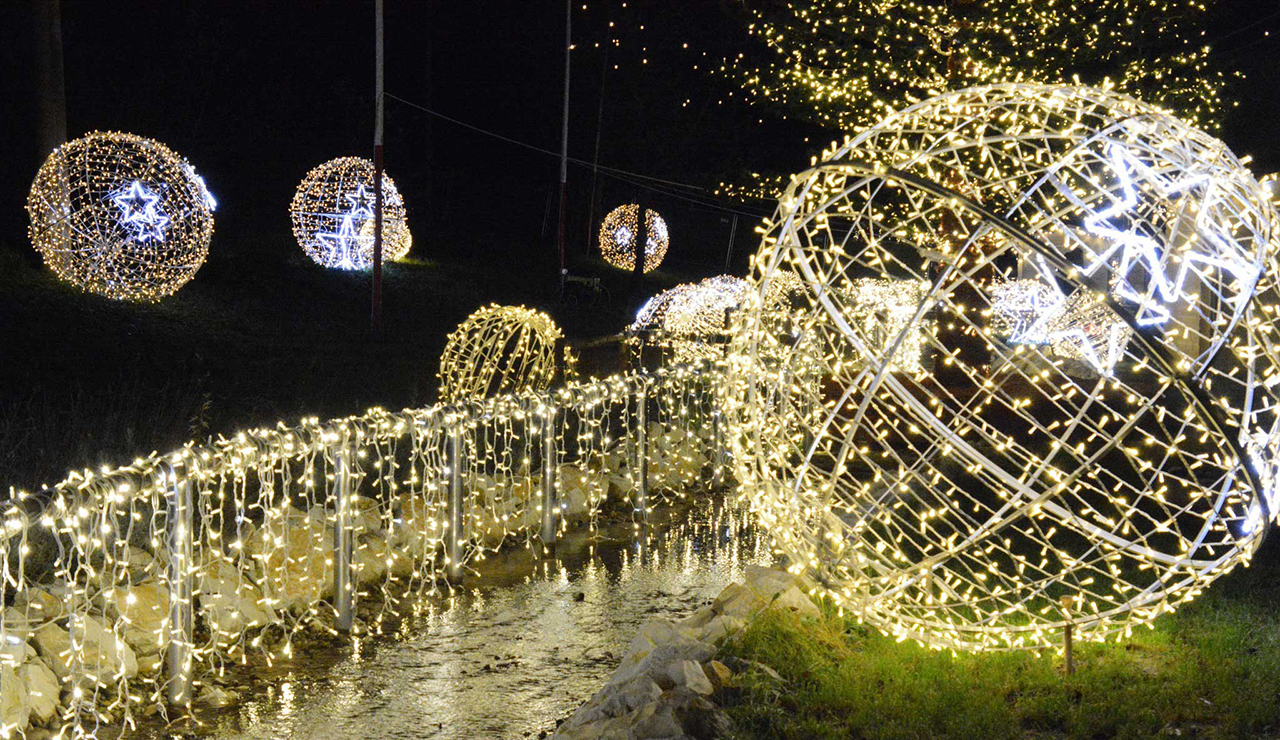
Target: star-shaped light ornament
<point>1079,326</point>
<point>342,244</point>
<point>140,211</point>
<point>1192,245</point>
<point>362,202</point>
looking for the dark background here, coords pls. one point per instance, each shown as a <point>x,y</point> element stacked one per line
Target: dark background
<point>255,94</point>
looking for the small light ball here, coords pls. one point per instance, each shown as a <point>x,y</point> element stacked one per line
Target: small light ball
<point>333,215</point>
<point>618,238</point>
<point>120,215</point>
<point>499,349</point>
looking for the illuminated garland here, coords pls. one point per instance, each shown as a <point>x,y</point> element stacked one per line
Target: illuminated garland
<point>500,349</point>
<point>1005,495</point>
<point>96,604</point>
<point>333,215</point>
<point>120,215</point>
<point>847,63</point>
<point>618,238</point>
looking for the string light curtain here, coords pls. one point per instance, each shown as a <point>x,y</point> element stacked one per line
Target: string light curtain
<point>333,215</point>
<point>120,215</point>
<point>1011,490</point>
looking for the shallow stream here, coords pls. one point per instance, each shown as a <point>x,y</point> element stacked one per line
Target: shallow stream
<point>524,642</point>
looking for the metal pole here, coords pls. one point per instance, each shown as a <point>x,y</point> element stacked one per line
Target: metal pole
<point>376,316</point>
<point>733,230</point>
<point>550,497</point>
<point>343,592</point>
<point>564,138</point>
<point>181,618</point>
<point>717,440</point>
<point>642,449</point>
<point>453,554</point>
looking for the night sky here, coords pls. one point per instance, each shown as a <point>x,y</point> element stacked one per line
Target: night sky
<point>254,94</point>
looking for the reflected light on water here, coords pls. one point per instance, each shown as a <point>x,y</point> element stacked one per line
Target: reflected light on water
<point>513,650</point>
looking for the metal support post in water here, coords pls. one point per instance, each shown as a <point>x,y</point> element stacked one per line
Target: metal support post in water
<point>717,453</point>
<point>181,617</point>
<point>343,590</point>
<point>453,539</point>
<point>550,497</point>
<point>642,451</point>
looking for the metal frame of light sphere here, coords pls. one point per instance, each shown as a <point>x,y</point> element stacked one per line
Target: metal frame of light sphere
<point>120,215</point>
<point>333,215</point>
<point>618,237</point>
<point>1013,488</point>
<point>499,349</point>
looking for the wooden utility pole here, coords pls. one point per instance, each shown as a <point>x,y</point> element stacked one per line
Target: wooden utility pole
<point>376,315</point>
<point>50,81</point>
<point>564,141</point>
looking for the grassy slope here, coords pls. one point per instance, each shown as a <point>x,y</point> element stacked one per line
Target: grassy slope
<point>86,381</point>
<point>1211,669</point>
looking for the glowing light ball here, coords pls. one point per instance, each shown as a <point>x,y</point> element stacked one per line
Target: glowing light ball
<point>618,238</point>
<point>499,349</point>
<point>333,215</point>
<point>1092,436</point>
<point>120,215</point>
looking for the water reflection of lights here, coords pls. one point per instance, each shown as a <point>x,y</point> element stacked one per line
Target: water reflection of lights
<point>524,637</point>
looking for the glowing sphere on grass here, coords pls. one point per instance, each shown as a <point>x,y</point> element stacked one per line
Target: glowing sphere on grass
<point>120,215</point>
<point>1091,437</point>
<point>333,215</point>
<point>618,238</point>
<point>499,349</point>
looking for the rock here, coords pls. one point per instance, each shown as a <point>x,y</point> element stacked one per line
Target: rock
<point>616,700</point>
<point>215,698</point>
<point>764,588</point>
<point>144,608</point>
<point>294,555</point>
<point>652,633</point>
<point>35,604</point>
<point>718,673</point>
<point>656,663</point>
<point>698,717</point>
<point>690,675</point>
<point>655,721</point>
<point>229,601</point>
<point>698,619</point>
<point>15,703</point>
<point>103,656</point>
<point>722,626</point>
<point>14,650</point>
<point>125,564</point>
<point>42,689</point>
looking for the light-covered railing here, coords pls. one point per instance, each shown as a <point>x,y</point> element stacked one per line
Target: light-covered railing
<point>127,590</point>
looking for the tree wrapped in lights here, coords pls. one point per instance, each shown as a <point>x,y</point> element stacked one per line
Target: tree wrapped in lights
<point>618,237</point>
<point>333,215</point>
<point>120,215</point>
<point>500,349</point>
<point>847,63</point>
<point>994,505</point>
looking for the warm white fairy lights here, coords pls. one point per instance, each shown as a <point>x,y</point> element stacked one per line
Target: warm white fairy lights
<point>120,215</point>
<point>1005,493</point>
<point>618,237</point>
<point>500,349</point>
<point>88,569</point>
<point>333,215</point>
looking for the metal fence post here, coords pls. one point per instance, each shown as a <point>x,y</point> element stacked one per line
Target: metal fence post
<point>642,450</point>
<point>717,455</point>
<point>180,524</point>
<point>453,541</point>
<point>343,591</point>
<point>550,496</point>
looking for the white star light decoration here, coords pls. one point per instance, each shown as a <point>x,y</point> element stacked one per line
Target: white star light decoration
<point>140,211</point>
<point>342,241</point>
<point>1002,495</point>
<point>1140,251</point>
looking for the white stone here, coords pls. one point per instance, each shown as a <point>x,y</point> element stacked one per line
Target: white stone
<point>229,602</point>
<point>144,609</point>
<point>689,674</point>
<point>15,703</point>
<point>102,656</point>
<point>42,689</point>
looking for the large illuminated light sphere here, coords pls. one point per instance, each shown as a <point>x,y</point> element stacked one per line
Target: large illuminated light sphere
<point>120,215</point>
<point>499,349</point>
<point>333,215</point>
<point>618,238</point>
<point>1084,430</point>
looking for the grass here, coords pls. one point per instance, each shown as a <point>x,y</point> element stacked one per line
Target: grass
<point>1210,670</point>
<point>261,334</point>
